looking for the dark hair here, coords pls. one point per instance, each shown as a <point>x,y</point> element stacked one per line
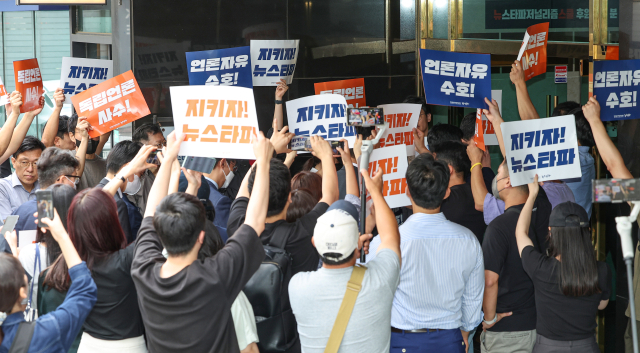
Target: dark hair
<point>94,230</point>
<point>29,143</point>
<point>122,153</point>
<point>310,163</point>
<point>11,280</point>
<point>53,163</point>
<point>310,181</point>
<point>583,129</point>
<point>279,186</point>
<point>212,242</point>
<point>564,108</point>
<point>336,255</point>
<point>418,100</point>
<point>209,210</point>
<point>443,132</point>
<point>468,126</point>
<point>62,197</point>
<point>302,202</point>
<point>179,219</point>
<point>143,131</point>
<point>454,154</point>
<point>72,123</point>
<point>427,180</point>
<point>228,161</point>
<point>578,272</point>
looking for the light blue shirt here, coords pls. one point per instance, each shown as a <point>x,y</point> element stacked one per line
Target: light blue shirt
<point>582,189</point>
<point>442,275</point>
<point>13,194</point>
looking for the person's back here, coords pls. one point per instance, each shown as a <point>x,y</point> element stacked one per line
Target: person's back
<point>558,192</point>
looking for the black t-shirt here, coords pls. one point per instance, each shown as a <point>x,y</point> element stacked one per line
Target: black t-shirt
<point>487,176</point>
<point>116,315</point>
<point>515,288</point>
<point>191,310</point>
<point>460,208</point>
<point>561,317</point>
<point>298,234</point>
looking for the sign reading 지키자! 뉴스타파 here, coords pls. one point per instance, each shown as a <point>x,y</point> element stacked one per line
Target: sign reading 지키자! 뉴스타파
<point>615,85</point>
<point>217,121</point>
<point>28,83</point>
<point>456,79</point>
<point>323,115</point>
<point>393,162</point>
<point>402,118</point>
<point>221,67</point>
<point>111,104</point>
<point>352,90</point>
<point>80,74</point>
<point>272,60</point>
<point>547,147</point>
<point>533,51</point>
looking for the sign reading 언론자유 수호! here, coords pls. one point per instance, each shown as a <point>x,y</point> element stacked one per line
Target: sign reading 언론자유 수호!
<point>221,67</point>
<point>273,60</point>
<point>547,147</point>
<point>456,79</point>
<point>79,74</point>
<point>615,85</point>
<point>323,115</point>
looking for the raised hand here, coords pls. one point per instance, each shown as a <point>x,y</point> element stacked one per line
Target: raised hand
<point>374,184</point>
<point>280,139</point>
<point>475,154</point>
<point>344,153</point>
<point>516,74</point>
<point>591,110</point>
<point>16,101</point>
<point>534,187</point>
<point>493,113</point>
<point>262,148</point>
<point>281,89</point>
<point>173,146</point>
<point>59,98</point>
<point>321,148</point>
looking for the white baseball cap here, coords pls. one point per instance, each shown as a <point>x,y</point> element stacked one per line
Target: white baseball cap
<point>336,232</point>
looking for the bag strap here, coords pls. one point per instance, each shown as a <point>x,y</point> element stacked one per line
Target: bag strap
<point>346,308</point>
<point>29,311</point>
<point>22,340</point>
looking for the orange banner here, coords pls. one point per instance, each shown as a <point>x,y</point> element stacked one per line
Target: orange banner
<point>352,90</point>
<point>112,104</point>
<point>534,60</point>
<point>613,53</point>
<point>29,84</point>
<point>479,136</point>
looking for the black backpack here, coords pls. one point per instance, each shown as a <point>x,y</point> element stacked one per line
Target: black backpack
<point>268,293</point>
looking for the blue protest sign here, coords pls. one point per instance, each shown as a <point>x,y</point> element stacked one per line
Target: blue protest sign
<point>456,79</point>
<point>615,85</point>
<point>221,67</point>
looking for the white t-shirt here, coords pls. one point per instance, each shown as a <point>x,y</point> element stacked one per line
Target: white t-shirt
<point>27,257</point>
<point>244,321</point>
<point>316,297</point>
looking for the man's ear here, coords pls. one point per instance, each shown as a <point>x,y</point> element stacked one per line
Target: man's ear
<point>13,162</point>
<point>429,118</point>
<point>508,181</point>
<point>201,238</point>
<point>56,141</point>
<point>72,137</point>
<point>313,242</point>
<point>290,197</point>
<point>451,171</point>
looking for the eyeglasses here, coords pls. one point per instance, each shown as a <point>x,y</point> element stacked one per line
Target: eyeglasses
<point>26,164</point>
<point>161,144</point>
<point>75,181</point>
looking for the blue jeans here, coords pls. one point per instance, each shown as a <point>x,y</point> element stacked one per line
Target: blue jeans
<point>449,341</point>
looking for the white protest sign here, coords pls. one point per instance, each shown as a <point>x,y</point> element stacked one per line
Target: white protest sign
<point>79,74</point>
<point>218,121</point>
<point>402,118</point>
<point>4,96</point>
<point>273,60</point>
<point>547,147</point>
<point>393,163</point>
<point>323,115</point>
<point>490,138</point>
<point>26,237</point>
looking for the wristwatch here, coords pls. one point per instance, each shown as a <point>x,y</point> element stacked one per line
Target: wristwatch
<point>492,321</point>
<point>118,176</point>
<point>278,101</point>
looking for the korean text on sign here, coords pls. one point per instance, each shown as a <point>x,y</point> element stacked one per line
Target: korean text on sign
<point>393,163</point>
<point>79,74</point>
<point>29,83</point>
<point>352,90</point>
<point>222,67</point>
<point>615,85</point>
<point>547,147</point>
<point>164,62</point>
<point>533,52</point>
<point>489,132</point>
<point>4,96</point>
<point>217,121</point>
<point>273,60</point>
<point>322,115</point>
<point>456,79</point>
<point>111,104</point>
<point>402,118</point>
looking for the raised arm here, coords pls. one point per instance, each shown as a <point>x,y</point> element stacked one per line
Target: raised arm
<point>6,132</point>
<point>23,126</point>
<point>525,107</point>
<point>194,180</point>
<point>278,115</point>
<point>259,202</point>
<point>81,154</point>
<point>51,128</point>
<point>350,174</point>
<point>103,141</point>
<point>418,141</point>
<point>478,187</point>
<point>608,151</point>
<point>524,221</point>
<point>174,181</point>
<point>137,165</point>
<point>493,114</point>
<point>161,183</point>
<point>322,150</point>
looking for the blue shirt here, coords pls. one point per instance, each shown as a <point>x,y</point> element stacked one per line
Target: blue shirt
<point>581,187</point>
<point>222,205</point>
<point>13,194</point>
<point>55,331</point>
<point>442,275</point>
<point>25,212</point>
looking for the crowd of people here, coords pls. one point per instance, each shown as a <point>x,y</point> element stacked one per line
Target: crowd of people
<point>153,257</point>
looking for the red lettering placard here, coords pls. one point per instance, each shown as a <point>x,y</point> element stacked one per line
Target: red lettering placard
<point>479,135</point>
<point>28,83</point>
<point>112,104</point>
<point>352,90</point>
<point>534,57</point>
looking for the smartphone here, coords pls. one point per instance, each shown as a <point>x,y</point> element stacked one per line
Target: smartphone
<point>365,116</point>
<point>9,224</point>
<point>199,164</point>
<point>44,199</point>
<point>616,190</point>
<point>335,145</point>
<point>303,143</point>
<point>153,158</point>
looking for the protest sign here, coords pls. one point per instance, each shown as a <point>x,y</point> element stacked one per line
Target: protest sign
<point>111,104</point>
<point>273,60</point>
<point>615,85</point>
<point>28,83</point>
<point>490,138</point>
<point>4,96</point>
<point>456,79</point>
<point>323,115</point>
<point>402,118</point>
<point>533,51</point>
<point>351,90</point>
<point>478,136</point>
<point>79,74</point>
<point>393,163</point>
<point>547,147</point>
<point>218,121</point>
<point>161,62</point>
<point>222,67</point>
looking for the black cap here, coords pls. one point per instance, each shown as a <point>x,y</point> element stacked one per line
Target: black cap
<point>564,210</point>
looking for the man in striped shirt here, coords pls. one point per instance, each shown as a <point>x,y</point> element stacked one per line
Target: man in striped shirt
<point>439,298</point>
